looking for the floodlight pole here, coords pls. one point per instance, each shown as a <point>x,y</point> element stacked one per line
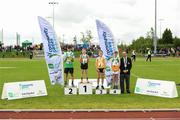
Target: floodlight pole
<point>17,38</point>
<point>2,36</point>
<point>160,20</point>
<point>155,32</point>
<point>53,4</point>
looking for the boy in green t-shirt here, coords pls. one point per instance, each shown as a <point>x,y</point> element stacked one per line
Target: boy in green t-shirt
<point>68,65</point>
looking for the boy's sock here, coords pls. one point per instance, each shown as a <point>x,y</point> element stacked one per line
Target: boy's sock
<point>81,80</point>
<point>65,83</point>
<point>72,83</point>
<point>109,84</point>
<point>87,80</point>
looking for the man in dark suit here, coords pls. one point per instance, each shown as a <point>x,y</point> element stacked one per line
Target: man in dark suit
<point>125,67</point>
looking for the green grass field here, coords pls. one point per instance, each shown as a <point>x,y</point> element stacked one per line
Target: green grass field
<point>25,69</point>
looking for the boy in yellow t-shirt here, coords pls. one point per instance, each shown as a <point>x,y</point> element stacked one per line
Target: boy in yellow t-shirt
<point>115,66</point>
<point>100,68</point>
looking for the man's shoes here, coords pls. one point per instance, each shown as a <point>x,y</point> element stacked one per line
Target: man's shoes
<point>97,87</point>
<point>102,87</point>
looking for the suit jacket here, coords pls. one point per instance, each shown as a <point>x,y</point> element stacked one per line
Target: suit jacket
<point>128,67</point>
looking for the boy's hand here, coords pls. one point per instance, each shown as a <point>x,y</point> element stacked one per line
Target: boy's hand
<point>97,70</point>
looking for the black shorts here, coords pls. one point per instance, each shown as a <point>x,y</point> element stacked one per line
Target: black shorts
<point>84,66</point>
<point>69,70</point>
<point>101,70</point>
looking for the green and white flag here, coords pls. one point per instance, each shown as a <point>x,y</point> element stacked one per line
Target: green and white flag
<point>52,51</point>
<point>108,46</point>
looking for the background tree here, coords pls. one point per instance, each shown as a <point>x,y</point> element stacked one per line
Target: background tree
<point>176,42</point>
<point>150,34</point>
<point>86,38</point>
<point>141,44</point>
<point>167,37</point>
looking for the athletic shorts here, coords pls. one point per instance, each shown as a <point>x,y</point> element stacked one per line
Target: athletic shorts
<point>69,70</point>
<point>101,70</point>
<point>84,66</point>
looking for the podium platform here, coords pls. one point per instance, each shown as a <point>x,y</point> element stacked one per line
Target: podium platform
<point>93,81</point>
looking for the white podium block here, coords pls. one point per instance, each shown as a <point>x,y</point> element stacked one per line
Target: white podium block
<point>115,91</point>
<point>85,88</point>
<point>101,91</point>
<point>70,91</point>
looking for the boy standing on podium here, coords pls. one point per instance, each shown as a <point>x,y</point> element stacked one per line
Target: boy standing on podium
<point>68,65</point>
<point>115,66</point>
<point>100,68</point>
<point>84,60</point>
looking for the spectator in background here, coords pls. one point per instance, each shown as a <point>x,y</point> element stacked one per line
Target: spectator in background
<point>31,54</point>
<point>133,56</point>
<point>173,52</point>
<point>148,55</point>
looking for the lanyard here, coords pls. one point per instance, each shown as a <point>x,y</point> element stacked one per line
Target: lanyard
<point>125,62</point>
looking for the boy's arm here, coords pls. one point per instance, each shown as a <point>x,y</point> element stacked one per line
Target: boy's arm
<point>96,64</point>
<point>88,58</point>
<point>80,59</point>
<point>119,62</point>
<point>105,62</point>
<point>64,57</point>
<point>130,64</point>
<point>73,57</point>
<point>105,65</point>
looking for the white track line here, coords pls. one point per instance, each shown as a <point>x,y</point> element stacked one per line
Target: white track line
<point>135,75</point>
<point>107,119</point>
<point>88,110</point>
<point>7,67</point>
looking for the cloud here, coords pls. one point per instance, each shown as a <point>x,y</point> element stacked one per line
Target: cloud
<point>77,12</point>
<point>72,12</point>
<point>128,2</point>
<point>128,19</point>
